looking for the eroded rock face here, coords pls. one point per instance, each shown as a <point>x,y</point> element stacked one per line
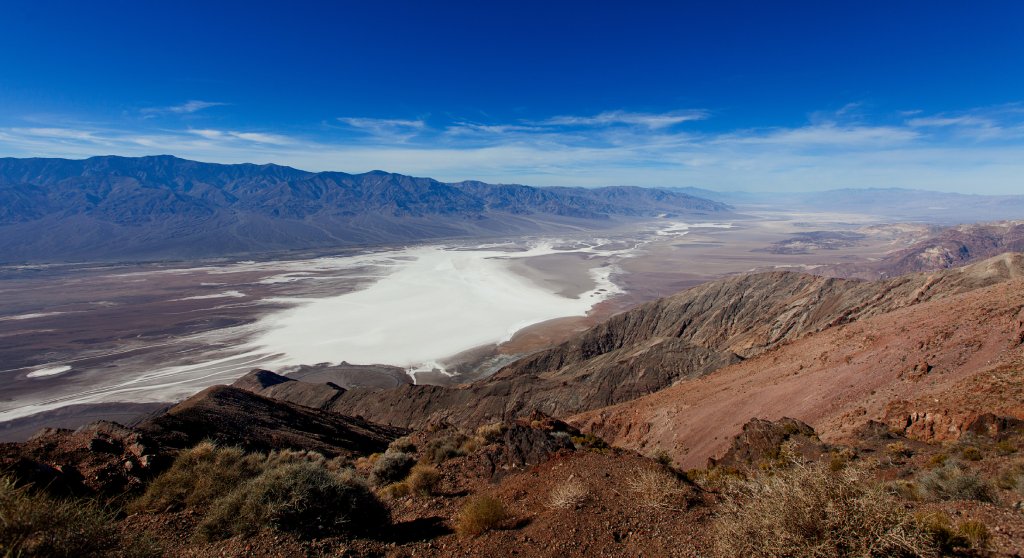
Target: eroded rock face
<point>275,386</point>
<point>234,416</point>
<point>765,441</point>
<point>102,458</point>
<point>994,426</point>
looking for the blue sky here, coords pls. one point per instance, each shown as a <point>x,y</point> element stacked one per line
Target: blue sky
<point>723,95</point>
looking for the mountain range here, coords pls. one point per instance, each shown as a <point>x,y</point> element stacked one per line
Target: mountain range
<point>163,207</point>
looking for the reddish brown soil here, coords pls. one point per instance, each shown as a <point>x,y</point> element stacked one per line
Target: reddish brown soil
<point>944,361</point>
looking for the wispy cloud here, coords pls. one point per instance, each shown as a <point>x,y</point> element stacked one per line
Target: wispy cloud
<point>187,107</point>
<point>830,150</point>
<point>387,129</point>
<point>256,137</point>
<point>611,118</point>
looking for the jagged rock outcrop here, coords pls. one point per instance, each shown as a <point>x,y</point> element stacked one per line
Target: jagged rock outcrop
<point>765,442</point>
<point>275,386</point>
<point>234,416</point>
<point>948,248</point>
<point>103,458</point>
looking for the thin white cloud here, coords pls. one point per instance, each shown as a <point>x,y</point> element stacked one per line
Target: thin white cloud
<point>380,123</point>
<point>57,133</point>
<point>820,135</point>
<point>647,120</point>
<point>256,137</point>
<point>187,107</point>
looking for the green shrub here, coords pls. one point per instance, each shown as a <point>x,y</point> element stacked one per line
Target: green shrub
<point>391,467</point>
<point>480,514</point>
<point>198,477</point>
<point>33,524</point>
<point>302,498</point>
<point>952,482</point>
<point>811,511</point>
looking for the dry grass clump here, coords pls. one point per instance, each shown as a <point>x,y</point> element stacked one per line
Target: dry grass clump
<point>972,453</point>
<point>391,467</point>
<point>810,511</point>
<point>422,480</point>
<point>240,493</point>
<point>714,478</point>
<point>302,498</point>
<point>491,432</point>
<point>1006,447</point>
<point>199,476</point>
<point>33,524</point>
<point>952,481</point>
<point>658,488</point>
<point>898,450</point>
<point>480,514</point>
<point>569,494</point>
<point>1012,477</point>
<point>443,448</point>
<point>969,534</point>
<point>403,445</point>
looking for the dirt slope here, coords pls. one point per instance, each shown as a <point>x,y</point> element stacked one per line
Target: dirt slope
<point>928,368</point>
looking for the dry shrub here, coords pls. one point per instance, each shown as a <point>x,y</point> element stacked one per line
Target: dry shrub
<point>302,498</point>
<point>391,468</point>
<point>975,533</point>
<point>481,513</point>
<point>198,477</point>
<point>714,478</point>
<point>898,450</point>
<point>491,432</point>
<point>423,479</point>
<point>443,448</point>
<point>1006,447</point>
<point>953,482</point>
<point>569,494</point>
<point>33,524</point>
<point>810,511</point>
<point>402,445</point>
<point>969,534</point>
<point>972,453</point>
<point>394,490</point>
<point>1012,477</point>
<point>658,488</point>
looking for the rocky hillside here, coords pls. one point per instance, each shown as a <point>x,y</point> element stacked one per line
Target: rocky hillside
<point>927,370</point>
<point>680,337</point>
<point>165,207</point>
<point>947,248</point>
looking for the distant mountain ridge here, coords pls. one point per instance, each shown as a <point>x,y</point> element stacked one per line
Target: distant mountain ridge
<point>892,204</point>
<point>162,206</point>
